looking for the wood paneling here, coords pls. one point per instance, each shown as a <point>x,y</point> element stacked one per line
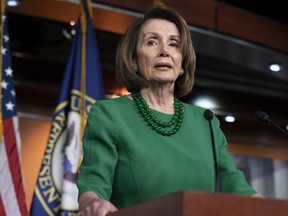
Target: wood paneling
<point>48,9</point>
<point>203,13</point>
<point>251,27</point>
<point>34,137</point>
<point>106,20</point>
<point>196,12</point>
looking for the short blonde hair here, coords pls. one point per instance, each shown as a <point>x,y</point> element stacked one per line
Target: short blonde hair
<point>126,52</point>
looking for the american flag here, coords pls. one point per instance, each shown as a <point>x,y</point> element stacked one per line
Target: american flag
<point>12,196</point>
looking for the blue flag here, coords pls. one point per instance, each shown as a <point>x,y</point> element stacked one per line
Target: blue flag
<point>56,191</point>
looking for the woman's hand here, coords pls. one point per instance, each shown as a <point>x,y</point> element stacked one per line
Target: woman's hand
<point>257,196</point>
<point>91,205</point>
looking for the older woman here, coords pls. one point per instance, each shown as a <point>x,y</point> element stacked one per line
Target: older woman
<point>150,144</point>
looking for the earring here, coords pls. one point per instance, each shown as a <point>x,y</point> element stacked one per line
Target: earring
<point>181,72</point>
<point>135,67</point>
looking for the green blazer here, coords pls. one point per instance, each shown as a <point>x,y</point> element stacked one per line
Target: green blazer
<point>126,162</point>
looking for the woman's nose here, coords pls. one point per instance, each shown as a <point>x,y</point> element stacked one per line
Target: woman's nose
<point>164,51</point>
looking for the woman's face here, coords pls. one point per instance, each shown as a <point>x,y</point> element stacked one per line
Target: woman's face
<point>159,55</point>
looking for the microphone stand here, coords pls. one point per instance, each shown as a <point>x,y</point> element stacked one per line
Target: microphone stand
<point>208,114</point>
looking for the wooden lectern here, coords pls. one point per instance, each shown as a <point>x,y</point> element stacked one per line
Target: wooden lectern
<point>188,203</point>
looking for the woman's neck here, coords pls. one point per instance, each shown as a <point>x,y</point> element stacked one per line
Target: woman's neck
<point>159,99</point>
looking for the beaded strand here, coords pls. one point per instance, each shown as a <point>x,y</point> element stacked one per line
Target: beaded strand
<point>159,126</point>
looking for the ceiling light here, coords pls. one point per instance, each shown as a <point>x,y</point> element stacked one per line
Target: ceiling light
<point>275,67</point>
<point>13,3</point>
<point>72,23</point>
<point>205,103</point>
<point>230,118</point>
<point>69,31</point>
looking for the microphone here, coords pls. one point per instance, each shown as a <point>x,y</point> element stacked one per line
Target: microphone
<point>208,115</point>
<point>262,116</point>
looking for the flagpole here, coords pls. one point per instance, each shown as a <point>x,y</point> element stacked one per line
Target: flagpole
<point>83,70</point>
<point>3,5</point>
<point>83,21</point>
<point>90,8</point>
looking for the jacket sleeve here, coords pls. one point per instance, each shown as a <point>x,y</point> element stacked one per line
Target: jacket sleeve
<point>231,179</point>
<point>99,153</point>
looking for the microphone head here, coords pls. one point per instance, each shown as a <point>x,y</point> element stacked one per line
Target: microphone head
<point>262,116</point>
<point>208,114</point>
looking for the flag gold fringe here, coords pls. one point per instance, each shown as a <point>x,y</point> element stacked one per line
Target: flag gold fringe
<point>83,70</point>
<point>158,3</point>
<point>3,6</point>
<point>83,20</point>
<point>90,9</point>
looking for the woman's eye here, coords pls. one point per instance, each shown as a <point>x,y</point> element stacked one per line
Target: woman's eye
<point>174,44</point>
<point>151,42</point>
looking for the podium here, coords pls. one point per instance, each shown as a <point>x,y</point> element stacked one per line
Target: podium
<point>189,203</point>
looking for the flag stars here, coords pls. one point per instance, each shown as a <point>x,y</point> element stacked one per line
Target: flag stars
<point>4,84</point>
<point>6,38</point>
<point>4,51</point>
<point>9,71</point>
<point>13,93</point>
<point>9,106</point>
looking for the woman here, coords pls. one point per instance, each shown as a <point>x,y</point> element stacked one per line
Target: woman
<point>149,144</point>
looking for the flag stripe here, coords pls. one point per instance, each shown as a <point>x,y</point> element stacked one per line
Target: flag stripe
<point>14,163</point>
<point>6,187</point>
<point>2,210</point>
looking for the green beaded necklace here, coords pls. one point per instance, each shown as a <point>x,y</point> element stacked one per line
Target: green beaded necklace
<point>157,125</point>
